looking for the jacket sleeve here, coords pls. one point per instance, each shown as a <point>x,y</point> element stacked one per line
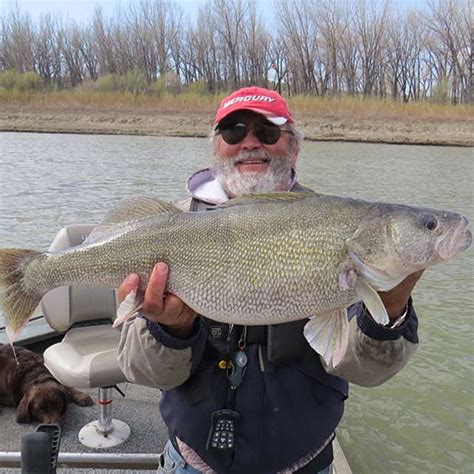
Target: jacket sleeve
<point>150,356</point>
<point>376,353</point>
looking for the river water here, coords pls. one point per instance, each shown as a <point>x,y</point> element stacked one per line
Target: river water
<point>421,420</point>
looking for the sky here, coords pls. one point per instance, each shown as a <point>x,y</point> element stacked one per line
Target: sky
<point>82,10</point>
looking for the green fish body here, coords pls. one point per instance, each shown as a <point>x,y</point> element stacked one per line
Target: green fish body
<point>259,259</point>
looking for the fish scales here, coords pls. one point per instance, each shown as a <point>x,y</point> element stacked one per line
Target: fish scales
<point>271,269</point>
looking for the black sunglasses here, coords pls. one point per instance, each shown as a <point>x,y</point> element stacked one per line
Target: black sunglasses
<point>265,132</point>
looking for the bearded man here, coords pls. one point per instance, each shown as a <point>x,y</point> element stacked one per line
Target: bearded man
<point>255,399</point>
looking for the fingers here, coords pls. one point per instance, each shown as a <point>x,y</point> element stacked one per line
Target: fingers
<point>153,303</point>
<point>159,306</point>
<point>130,283</point>
<point>163,307</point>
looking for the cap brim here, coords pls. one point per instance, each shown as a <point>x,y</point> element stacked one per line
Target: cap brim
<point>275,119</point>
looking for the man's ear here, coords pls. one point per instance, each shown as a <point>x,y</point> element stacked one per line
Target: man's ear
<point>23,410</point>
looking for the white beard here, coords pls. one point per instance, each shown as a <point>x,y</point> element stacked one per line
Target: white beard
<point>236,184</point>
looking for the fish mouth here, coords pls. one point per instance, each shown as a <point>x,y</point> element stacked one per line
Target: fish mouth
<point>455,242</point>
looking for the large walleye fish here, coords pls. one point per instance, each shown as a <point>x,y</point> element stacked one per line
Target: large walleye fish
<point>259,259</point>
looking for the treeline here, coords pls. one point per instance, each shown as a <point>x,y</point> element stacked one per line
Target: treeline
<point>324,47</point>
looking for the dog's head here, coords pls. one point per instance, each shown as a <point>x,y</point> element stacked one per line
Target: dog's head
<point>43,403</point>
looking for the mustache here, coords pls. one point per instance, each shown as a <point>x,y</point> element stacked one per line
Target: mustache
<point>251,156</point>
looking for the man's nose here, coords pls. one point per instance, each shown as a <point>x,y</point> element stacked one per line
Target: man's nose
<point>251,142</point>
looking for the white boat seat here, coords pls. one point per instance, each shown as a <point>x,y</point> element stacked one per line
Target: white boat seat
<point>87,355</point>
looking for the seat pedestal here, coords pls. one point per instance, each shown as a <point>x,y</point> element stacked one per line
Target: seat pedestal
<point>105,432</point>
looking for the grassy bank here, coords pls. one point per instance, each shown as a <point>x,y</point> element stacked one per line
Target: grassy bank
<point>194,102</point>
<point>190,114</point>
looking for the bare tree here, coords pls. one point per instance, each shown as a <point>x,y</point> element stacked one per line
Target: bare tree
<point>348,53</point>
<point>47,50</point>
<point>75,64</point>
<point>227,18</point>
<point>334,25</point>
<point>17,42</point>
<point>255,39</point>
<point>88,52</point>
<point>104,48</point>
<point>405,38</point>
<point>202,53</point>
<point>277,57</point>
<point>297,27</point>
<point>370,25</point>
<point>450,22</point>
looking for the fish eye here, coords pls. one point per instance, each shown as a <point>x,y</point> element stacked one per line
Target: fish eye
<point>429,221</point>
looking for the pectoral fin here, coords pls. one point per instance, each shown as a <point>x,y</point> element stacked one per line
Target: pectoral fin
<point>128,309</point>
<point>328,335</point>
<point>372,301</point>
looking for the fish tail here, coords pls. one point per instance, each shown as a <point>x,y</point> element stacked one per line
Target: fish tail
<point>17,300</point>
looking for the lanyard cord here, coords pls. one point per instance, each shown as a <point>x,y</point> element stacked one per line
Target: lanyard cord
<point>243,339</point>
<point>237,363</point>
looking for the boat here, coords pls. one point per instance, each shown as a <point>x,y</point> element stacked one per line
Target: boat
<point>124,431</point>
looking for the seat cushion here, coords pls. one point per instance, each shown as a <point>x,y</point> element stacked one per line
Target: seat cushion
<point>86,357</point>
<point>66,305</point>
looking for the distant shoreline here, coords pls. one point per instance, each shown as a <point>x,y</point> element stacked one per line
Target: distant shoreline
<point>337,127</point>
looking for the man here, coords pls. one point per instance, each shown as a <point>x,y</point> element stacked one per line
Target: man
<point>257,399</point>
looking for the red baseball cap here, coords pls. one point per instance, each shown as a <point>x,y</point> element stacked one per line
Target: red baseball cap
<point>263,101</point>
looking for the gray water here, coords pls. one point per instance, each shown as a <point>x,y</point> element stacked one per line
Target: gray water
<point>420,421</point>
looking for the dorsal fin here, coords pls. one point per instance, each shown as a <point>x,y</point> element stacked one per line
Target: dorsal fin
<point>129,210</point>
<point>137,207</point>
<point>266,198</point>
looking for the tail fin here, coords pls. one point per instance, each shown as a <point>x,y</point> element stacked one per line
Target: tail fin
<point>18,301</point>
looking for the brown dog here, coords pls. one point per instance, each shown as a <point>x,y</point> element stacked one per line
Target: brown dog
<point>29,386</point>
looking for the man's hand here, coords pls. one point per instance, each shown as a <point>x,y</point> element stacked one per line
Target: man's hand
<point>396,300</point>
<point>158,306</point>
